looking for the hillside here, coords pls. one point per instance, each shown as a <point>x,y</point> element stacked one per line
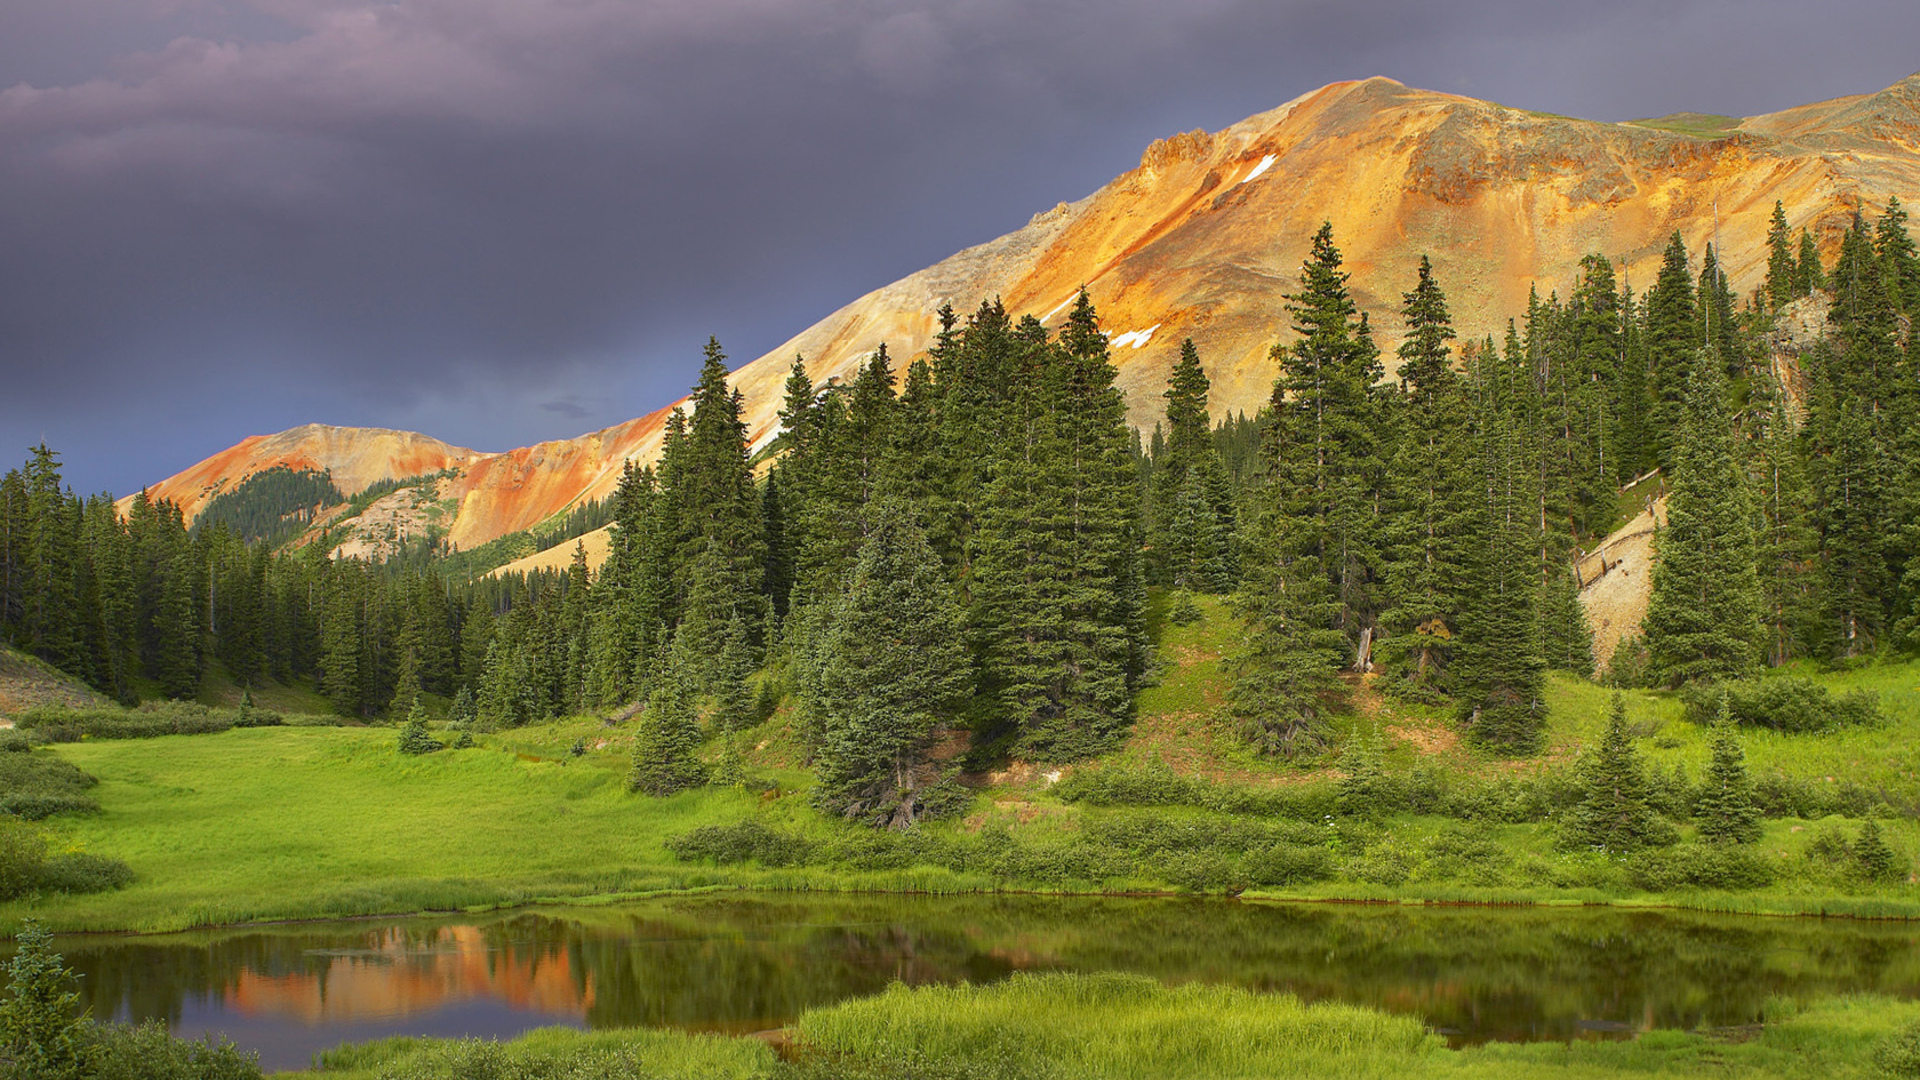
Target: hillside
<point>1205,237</point>
<point>26,683</point>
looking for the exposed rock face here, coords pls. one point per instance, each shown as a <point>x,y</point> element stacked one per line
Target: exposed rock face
<point>1206,236</point>
<point>357,458</point>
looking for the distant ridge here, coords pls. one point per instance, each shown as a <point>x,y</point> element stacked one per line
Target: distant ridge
<point>1205,236</point>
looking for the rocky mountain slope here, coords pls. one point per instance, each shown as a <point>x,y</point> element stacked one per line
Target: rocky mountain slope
<point>1206,236</point>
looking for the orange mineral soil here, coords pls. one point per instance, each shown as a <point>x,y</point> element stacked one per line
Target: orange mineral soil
<point>1206,236</point>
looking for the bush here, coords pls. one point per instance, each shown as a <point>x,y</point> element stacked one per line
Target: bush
<point>1789,703</point>
<point>38,806</point>
<point>1206,872</point>
<point>152,720</point>
<point>1699,866</point>
<point>78,873</point>
<point>37,785</point>
<point>1387,862</point>
<point>1151,784</point>
<point>14,742</point>
<point>1289,864</point>
<point>1899,1053</point>
<point>147,1052</point>
<point>740,842</point>
<point>23,851</point>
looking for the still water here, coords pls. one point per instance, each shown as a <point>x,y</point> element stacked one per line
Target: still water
<point>748,962</point>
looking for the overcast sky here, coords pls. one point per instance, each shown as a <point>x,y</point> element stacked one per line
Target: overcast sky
<point>500,221</point>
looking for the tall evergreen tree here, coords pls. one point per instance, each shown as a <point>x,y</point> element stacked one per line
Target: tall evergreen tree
<point>1787,542</point>
<point>1899,260</point>
<point>1430,500</point>
<point>894,669</point>
<point>1190,502</point>
<point>1703,618</point>
<point>1808,273</point>
<point>1058,600</point>
<point>1781,266</point>
<point>1327,441</point>
<point>1500,685</point>
<point>1673,336</point>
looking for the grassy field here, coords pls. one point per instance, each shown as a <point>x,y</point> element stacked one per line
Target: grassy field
<point>1096,1027</point>
<point>317,822</point>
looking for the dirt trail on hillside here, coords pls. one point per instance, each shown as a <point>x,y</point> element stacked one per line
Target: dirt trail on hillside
<point>1616,581</point>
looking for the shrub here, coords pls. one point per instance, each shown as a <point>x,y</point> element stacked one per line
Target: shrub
<point>1206,872</point>
<point>739,842</point>
<point>77,873</point>
<point>1388,862</point>
<point>14,742</point>
<point>152,720</point>
<point>35,786</point>
<point>1789,703</point>
<point>1899,1053</point>
<point>1151,784</point>
<point>1458,852</point>
<point>415,741</point>
<point>23,851</point>
<point>1289,864</point>
<point>1697,866</point>
<point>147,1052</point>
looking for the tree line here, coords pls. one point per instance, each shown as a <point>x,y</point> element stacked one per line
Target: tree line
<point>970,543</point>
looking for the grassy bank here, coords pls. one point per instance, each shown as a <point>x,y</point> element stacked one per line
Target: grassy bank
<point>304,822</point>
<point>1081,1027</point>
<point>310,822</point>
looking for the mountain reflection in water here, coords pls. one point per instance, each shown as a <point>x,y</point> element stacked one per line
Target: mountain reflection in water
<point>747,962</point>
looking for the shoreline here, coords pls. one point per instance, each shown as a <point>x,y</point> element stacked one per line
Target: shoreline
<point>1250,897</point>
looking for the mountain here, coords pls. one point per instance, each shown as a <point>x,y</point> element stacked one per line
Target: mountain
<point>1206,236</point>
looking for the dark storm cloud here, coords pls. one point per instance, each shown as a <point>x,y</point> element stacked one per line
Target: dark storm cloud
<point>506,220</point>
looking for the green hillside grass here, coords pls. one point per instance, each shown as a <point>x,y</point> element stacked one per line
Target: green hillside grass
<point>312,822</point>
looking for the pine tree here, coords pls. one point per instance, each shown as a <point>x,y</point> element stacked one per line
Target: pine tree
<point>1718,331</point>
<point>1613,814</point>
<point>1899,260</point>
<point>1702,621</point>
<point>1873,859</point>
<point>1429,496</point>
<point>1361,789</point>
<point>894,669</point>
<point>1808,274</point>
<point>340,643</point>
<point>1789,604</point>
<point>1326,442</point>
<point>1673,336</point>
<point>47,618</point>
<point>663,748</point>
<point>1500,688</point>
<point>1725,808</point>
<point>41,1037</point>
<point>1190,501</point>
<point>1057,594</point>
<point>414,739</point>
<point>1781,267</point>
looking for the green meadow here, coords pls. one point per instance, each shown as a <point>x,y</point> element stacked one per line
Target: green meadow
<point>302,822</point>
<point>1117,1027</point>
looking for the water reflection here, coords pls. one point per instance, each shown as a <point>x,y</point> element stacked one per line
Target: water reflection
<point>749,962</point>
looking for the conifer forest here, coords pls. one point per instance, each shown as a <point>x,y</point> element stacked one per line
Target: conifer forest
<point>969,544</point>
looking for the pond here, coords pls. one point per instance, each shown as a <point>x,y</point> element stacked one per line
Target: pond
<point>748,962</point>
